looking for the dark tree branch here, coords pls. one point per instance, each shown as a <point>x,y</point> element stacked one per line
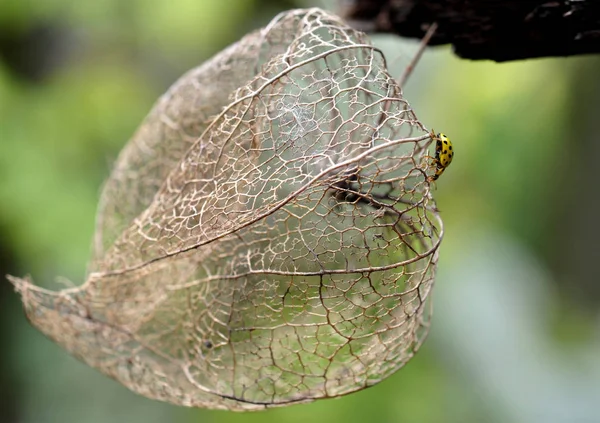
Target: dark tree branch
<point>498,30</point>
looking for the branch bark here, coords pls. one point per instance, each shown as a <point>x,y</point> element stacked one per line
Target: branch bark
<point>499,30</point>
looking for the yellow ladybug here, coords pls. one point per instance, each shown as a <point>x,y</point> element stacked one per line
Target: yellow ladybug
<point>443,155</point>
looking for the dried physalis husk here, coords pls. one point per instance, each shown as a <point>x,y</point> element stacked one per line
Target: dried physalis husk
<point>267,237</point>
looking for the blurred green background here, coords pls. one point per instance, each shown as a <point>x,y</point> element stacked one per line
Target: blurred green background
<point>516,328</point>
